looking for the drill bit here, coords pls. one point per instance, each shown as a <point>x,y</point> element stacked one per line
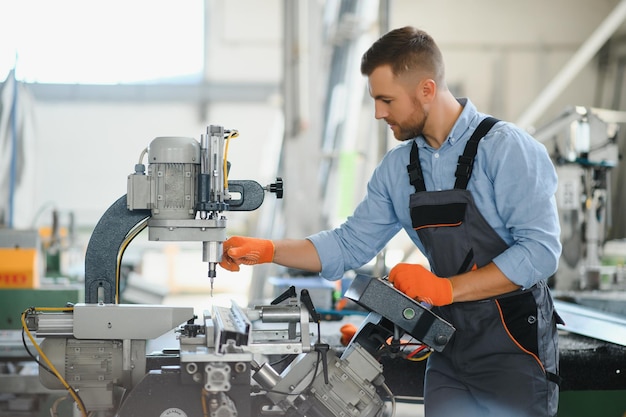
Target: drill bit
<point>212,275</point>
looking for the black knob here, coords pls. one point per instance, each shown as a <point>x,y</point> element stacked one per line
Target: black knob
<point>277,187</point>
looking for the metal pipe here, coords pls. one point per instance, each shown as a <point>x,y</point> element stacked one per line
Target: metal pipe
<point>55,324</point>
<point>276,314</point>
<point>13,168</point>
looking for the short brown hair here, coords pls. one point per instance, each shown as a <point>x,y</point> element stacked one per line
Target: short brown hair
<point>405,50</point>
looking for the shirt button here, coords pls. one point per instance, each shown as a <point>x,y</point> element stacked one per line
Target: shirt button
<point>437,155</point>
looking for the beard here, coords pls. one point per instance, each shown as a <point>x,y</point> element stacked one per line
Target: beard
<point>413,126</point>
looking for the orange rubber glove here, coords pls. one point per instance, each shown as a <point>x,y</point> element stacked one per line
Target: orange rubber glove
<point>246,250</point>
<point>420,284</point>
<point>348,331</point>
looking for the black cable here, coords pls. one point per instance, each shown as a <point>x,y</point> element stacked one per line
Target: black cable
<point>281,360</point>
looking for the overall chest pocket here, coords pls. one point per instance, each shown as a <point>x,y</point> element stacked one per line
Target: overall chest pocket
<point>438,215</point>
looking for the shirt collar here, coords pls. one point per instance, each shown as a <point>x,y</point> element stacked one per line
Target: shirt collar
<point>462,124</point>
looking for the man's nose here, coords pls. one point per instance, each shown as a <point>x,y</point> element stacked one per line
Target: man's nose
<point>380,112</point>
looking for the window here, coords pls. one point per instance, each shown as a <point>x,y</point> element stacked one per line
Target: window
<point>108,42</point>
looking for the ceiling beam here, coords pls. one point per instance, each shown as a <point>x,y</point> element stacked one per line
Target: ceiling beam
<point>193,93</point>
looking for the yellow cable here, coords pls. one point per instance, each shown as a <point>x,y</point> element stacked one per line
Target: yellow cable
<point>42,355</point>
<point>131,235</point>
<point>233,134</point>
<point>421,358</point>
<point>205,411</point>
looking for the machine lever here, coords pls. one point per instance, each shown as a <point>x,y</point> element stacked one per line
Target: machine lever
<point>289,293</point>
<point>322,348</point>
<point>305,297</point>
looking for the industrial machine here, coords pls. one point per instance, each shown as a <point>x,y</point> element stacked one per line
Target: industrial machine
<point>583,143</point>
<point>222,368</point>
<point>254,361</point>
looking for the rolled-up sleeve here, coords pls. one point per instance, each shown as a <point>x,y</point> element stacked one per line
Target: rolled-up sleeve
<point>363,234</point>
<point>524,188</point>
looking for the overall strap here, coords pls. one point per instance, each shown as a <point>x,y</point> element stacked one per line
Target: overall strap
<point>466,161</point>
<point>416,178</point>
<point>465,164</point>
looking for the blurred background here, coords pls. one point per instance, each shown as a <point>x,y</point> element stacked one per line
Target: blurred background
<point>86,86</point>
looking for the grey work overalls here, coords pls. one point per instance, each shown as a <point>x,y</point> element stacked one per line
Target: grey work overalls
<point>503,358</point>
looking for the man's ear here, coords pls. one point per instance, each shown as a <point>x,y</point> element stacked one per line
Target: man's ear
<point>427,89</point>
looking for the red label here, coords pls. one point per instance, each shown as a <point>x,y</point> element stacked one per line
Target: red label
<point>13,279</point>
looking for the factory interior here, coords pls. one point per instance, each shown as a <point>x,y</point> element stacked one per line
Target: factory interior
<point>253,119</point>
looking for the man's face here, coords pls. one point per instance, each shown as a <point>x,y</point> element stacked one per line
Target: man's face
<point>397,103</point>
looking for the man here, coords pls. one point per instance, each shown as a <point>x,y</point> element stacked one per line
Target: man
<point>483,212</point>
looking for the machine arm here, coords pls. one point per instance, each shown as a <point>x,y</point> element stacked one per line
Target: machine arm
<point>101,258</point>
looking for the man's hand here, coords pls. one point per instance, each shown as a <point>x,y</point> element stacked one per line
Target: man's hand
<point>420,284</point>
<point>246,250</point>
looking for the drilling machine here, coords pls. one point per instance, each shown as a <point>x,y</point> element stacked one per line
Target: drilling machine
<point>181,198</point>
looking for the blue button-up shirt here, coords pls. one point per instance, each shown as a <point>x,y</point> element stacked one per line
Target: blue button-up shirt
<point>513,184</point>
